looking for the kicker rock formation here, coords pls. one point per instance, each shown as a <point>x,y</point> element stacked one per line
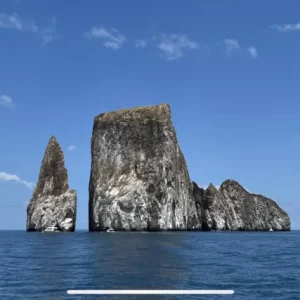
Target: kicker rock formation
<point>139,178</point>
<point>234,208</point>
<point>52,204</point>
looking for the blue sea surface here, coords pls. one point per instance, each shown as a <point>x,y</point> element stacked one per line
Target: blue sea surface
<point>256,265</point>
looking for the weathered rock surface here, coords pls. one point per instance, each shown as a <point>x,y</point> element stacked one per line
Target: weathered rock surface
<point>52,204</point>
<point>139,179</point>
<point>234,208</point>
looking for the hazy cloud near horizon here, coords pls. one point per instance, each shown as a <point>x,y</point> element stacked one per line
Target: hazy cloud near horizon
<point>12,177</point>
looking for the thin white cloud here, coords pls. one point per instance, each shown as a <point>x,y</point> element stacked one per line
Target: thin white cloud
<point>203,186</point>
<point>175,46</point>
<point>111,45</point>
<point>72,147</point>
<point>111,38</point>
<point>48,34</point>
<point>286,27</point>
<point>11,177</point>
<point>141,43</point>
<point>6,101</point>
<point>231,45</point>
<point>14,21</point>
<point>253,52</point>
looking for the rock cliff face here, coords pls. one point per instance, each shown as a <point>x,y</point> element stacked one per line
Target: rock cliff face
<point>52,202</point>
<point>139,179</point>
<point>234,208</point>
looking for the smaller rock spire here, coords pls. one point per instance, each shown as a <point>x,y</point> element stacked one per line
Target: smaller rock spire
<point>53,139</point>
<point>52,202</point>
<point>211,188</point>
<point>53,177</point>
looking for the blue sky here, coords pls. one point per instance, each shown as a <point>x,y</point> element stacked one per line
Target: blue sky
<point>229,70</point>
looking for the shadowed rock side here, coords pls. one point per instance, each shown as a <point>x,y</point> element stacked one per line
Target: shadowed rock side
<point>234,208</point>
<point>52,202</point>
<point>139,179</point>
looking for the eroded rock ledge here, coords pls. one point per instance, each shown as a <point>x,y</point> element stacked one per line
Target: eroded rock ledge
<point>52,204</point>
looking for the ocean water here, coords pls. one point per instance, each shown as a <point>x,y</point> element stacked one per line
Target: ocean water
<point>257,265</point>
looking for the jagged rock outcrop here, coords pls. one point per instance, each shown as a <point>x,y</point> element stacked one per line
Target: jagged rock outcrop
<point>139,178</point>
<point>234,208</point>
<point>52,204</point>
<point>212,207</point>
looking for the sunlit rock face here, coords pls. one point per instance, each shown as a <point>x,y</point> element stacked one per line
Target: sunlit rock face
<point>139,178</point>
<point>52,204</point>
<point>234,208</point>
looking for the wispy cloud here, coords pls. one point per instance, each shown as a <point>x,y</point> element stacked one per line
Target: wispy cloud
<point>203,186</point>
<point>175,46</point>
<point>140,43</point>
<point>253,52</point>
<point>6,101</point>
<point>286,27</point>
<point>14,21</point>
<point>231,45</point>
<point>48,34</point>
<point>11,177</point>
<point>72,147</point>
<point>111,38</point>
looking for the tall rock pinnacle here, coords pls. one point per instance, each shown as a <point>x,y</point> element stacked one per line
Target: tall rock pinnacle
<point>52,202</point>
<point>139,178</point>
